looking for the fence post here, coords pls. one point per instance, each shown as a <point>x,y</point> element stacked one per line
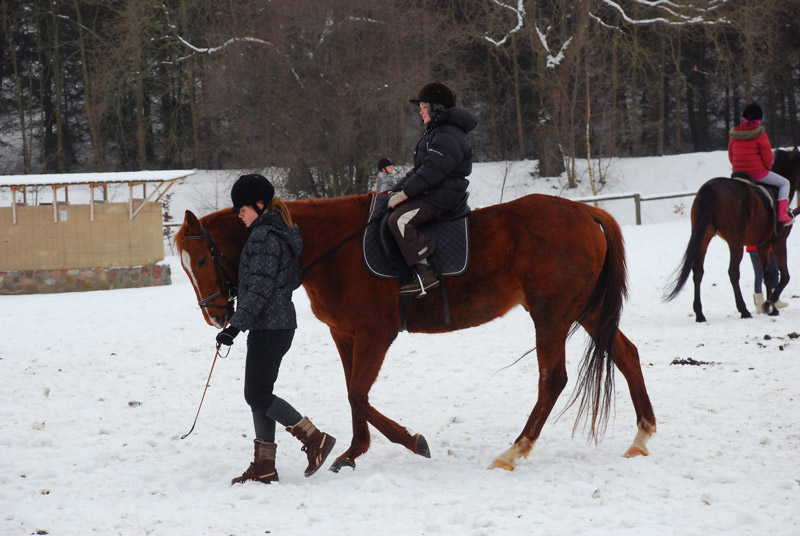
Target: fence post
<point>637,199</point>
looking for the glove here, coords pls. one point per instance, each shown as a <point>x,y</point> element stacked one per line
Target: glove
<point>226,336</point>
<point>397,198</point>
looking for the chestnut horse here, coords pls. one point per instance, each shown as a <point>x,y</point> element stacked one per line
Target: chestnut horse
<point>734,210</point>
<point>563,261</point>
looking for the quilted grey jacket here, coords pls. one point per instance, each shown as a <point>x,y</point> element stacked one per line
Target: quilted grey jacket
<point>269,270</point>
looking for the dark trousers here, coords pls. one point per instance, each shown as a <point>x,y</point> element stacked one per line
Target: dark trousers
<point>265,351</point>
<point>773,268</point>
<point>403,223</point>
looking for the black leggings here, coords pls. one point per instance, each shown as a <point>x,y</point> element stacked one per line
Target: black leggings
<point>265,351</point>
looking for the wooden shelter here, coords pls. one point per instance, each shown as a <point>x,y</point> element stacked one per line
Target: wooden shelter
<point>43,230</point>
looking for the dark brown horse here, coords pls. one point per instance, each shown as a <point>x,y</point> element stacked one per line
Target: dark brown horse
<point>734,210</point>
<point>563,261</point>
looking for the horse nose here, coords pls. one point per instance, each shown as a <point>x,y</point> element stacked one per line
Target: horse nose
<point>218,321</point>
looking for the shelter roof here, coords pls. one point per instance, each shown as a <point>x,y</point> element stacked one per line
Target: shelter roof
<point>63,179</point>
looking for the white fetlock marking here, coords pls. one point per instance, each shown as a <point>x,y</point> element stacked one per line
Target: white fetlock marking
<point>639,445</point>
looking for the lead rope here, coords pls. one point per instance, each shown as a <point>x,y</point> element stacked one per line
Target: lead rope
<point>208,382</point>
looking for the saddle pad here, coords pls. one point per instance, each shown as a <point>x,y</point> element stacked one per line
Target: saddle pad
<point>450,256</point>
<point>767,192</point>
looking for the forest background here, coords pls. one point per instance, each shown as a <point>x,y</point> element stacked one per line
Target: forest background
<point>318,90</point>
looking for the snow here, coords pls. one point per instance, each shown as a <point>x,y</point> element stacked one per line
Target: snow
<point>98,388</point>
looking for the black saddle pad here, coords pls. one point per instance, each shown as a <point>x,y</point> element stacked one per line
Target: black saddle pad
<point>450,256</point>
<point>767,192</point>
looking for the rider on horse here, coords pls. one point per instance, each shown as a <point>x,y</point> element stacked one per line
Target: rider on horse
<point>749,151</point>
<point>437,183</point>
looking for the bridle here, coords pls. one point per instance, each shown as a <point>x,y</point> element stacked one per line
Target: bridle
<point>222,274</point>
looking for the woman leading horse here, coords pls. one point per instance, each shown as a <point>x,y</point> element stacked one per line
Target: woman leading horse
<point>563,261</point>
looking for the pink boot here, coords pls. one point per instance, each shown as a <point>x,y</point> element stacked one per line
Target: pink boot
<point>783,211</point>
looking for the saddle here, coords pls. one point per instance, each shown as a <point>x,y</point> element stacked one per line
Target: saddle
<point>448,234</point>
<point>767,193</point>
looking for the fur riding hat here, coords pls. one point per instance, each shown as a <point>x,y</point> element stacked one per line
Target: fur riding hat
<point>250,189</point>
<point>753,112</point>
<point>436,93</point>
<point>384,163</point>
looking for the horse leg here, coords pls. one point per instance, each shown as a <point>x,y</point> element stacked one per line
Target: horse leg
<point>782,263</point>
<point>626,359</point>
<point>736,249</point>
<point>360,442</point>
<point>366,358</point>
<point>697,274</point>
<point>551,352</point>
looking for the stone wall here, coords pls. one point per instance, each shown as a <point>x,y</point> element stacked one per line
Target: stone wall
<point>77,280</point>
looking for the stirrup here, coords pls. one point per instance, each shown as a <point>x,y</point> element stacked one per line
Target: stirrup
<point>422,291</point>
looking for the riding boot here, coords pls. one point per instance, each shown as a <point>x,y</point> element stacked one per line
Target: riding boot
<point>317,445</point>
<point>784,216</point>
<point>758,299</point>
<point>425,279</point>
<point>262,469</point>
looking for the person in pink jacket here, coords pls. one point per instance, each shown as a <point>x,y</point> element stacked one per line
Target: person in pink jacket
<point>749,150</point>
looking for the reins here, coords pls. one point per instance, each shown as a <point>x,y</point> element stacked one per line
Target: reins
<point>208,382</point>
<point>222,274</point>
<point>335,248</point>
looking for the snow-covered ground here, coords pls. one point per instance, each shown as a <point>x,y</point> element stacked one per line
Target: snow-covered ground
<point>98,387</point>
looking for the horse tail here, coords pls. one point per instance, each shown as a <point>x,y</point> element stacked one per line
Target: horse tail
<point>596,374</point>
<point>701,211</point>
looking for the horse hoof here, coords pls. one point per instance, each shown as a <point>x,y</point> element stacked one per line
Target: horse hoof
<point>700,318</point>
<point>499,463</point>
<point>340,462</point>
<point>422,447</point>
<point>747,314</point>
<point>634,451</point>
<point>769,308</point>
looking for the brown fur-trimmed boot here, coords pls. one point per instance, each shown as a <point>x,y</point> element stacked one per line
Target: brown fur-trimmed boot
<point>262,469</point>
<point>317,445</point>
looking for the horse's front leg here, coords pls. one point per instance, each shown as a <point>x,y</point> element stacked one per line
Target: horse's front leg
<point>368,352</point>
<point>774,288</point>
<point>360,441</point>
<point>733,274</point>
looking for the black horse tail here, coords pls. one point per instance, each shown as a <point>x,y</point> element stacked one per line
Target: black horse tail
<point>701,210</point>
<point>596,374</point>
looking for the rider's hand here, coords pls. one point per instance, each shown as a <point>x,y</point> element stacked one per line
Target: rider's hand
<point>227,335</point>
<point>397,198</point>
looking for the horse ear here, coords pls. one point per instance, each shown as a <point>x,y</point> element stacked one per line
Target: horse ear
<point>190,220</point>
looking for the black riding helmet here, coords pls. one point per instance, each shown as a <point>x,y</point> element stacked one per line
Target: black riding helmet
<point>437,96</point>
<point>435,93</point>
<point>384,163</point>
<point>249,190</point>
<point>753,112</point>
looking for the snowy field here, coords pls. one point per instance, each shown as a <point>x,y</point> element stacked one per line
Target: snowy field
<point>98,388</point>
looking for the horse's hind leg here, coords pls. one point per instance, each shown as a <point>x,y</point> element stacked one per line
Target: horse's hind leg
<point>626,359</point>
<point>550,349</point>
<point>736,249</point>
<point>697,274</point>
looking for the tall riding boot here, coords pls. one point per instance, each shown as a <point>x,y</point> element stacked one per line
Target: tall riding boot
<point>425,279</point>
<point>317,445</point>
<point>758,299</point>
<point>784,216</point>
<point>262,469</point>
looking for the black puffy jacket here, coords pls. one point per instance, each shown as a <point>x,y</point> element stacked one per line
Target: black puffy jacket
<point>269,270</point>
<point>442,161</point>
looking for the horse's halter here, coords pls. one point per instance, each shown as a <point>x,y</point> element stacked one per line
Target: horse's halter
<point>222,274</point>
